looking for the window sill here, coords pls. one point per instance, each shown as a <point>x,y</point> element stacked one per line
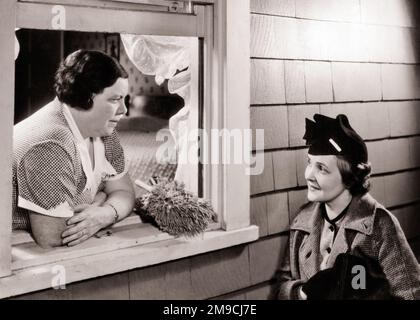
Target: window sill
<point>130,247</point>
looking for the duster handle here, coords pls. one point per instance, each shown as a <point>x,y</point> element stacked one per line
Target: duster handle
<point>144,185</point>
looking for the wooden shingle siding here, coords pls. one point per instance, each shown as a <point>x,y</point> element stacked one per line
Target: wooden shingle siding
<point>113,287</point>
<point>356,81</point>
<point>273,120</point>
<point>178,280</point>
<point>285,171</point>
<point>239,295</point>
<point>148,283</point>
<point>297,115</point>
<point>220,272</point>
<point>277,205</point>
<point>265,181</point>
<point>318,81</point>
<point>295,81</point>
<point>302,162</point>
<point>404,118</point>
<point>378,189</point>
<point>269,38</point>
<point>402,188</point>
<point>301,39</point>
<point>396,189</point>
<point>388,12</point>
<point>260,292</point>
<point>264,258</point>
<point>267,82</point>
<point>274,7</point>
<point>296,198</point>
<point>332,10</point>
<point>371,120</point>
<point>408,218</point>
<point>400,82</point>
<point>414,143</point>
<point>390,155</point>
<point>259,214</point>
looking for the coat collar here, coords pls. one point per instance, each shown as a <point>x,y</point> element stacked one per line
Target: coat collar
<point>360,215</point>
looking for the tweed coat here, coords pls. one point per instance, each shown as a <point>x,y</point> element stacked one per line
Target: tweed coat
<point>377,234</point>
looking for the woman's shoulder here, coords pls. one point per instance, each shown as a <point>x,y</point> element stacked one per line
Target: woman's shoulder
<point>385,222</point>
<point>47,124</point>
<point>386,219</point>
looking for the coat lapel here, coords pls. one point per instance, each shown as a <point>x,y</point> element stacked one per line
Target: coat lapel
<point>310,221</point>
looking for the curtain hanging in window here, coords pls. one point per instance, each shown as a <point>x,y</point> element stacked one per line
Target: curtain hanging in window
<point>167,58</point>
<point>163,57</point>
<point>17,46</point>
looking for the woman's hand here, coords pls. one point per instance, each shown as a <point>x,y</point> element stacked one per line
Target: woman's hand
<point>86,222</point>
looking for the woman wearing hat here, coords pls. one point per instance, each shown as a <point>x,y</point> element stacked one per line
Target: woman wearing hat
<point>342,218</point>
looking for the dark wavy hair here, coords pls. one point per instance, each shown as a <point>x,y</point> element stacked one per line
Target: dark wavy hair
<point>356,178</point>
<point>83,74</point>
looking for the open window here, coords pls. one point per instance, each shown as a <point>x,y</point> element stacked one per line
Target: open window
<point>214,35</point>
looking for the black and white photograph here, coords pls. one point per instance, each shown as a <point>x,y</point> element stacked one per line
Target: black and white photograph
<point>218,152</point>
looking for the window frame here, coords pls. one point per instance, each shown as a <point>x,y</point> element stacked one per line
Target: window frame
<point>226,106</point>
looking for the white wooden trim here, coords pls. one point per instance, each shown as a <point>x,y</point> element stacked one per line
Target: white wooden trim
<point>110,2</point>
<point>40,277</point>
<point>163,2</point>
<point>7,70</point>
<point>212,173</point>
<point>233,32</point>
<point>118,21</point>
<point>30,254</point>
<point>145,5</point>
<point>228,74</point>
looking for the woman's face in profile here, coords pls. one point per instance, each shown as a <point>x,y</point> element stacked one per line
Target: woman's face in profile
<point>108,108</point>
<point>323,178</point>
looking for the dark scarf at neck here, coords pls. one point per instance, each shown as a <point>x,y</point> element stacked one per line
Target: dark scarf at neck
<point>333,222</point>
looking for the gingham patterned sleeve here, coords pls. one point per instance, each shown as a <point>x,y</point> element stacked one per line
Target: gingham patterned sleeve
<point>114,154</point>
<point>46,181</point>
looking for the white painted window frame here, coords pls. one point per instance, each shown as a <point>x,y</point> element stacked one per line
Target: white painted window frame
<point>226,106</point>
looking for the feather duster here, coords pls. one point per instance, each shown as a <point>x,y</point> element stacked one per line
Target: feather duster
<point>175,210</point>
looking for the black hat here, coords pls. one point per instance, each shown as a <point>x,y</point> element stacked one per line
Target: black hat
<point>328,136</point>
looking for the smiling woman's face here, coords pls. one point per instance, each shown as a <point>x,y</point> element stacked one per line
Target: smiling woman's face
<point>323,178</point>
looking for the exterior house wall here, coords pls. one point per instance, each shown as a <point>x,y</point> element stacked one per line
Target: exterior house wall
<point>358,57</point>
